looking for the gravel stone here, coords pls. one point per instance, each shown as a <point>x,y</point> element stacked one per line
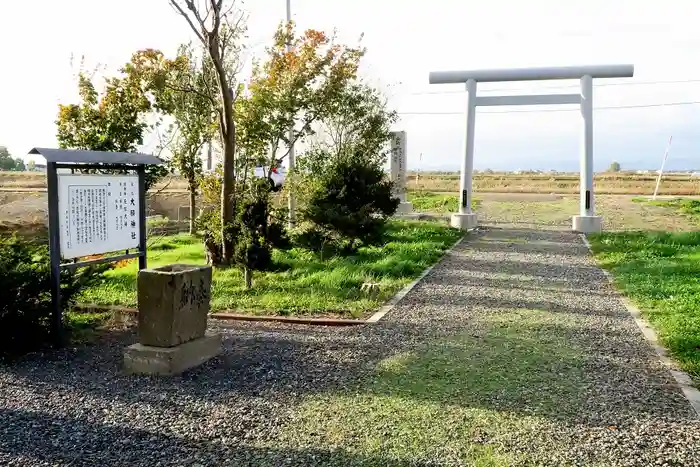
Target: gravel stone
<point>75,406</point>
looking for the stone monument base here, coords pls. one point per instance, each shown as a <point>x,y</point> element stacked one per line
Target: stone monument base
<point>464,221</point>
<point>405,207</point>
<point>587,224</point>
<point>168,361</point>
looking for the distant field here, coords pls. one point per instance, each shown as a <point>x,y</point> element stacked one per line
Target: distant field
<point>546,201</point>
<point>605,183</point>
<point>37,181</point>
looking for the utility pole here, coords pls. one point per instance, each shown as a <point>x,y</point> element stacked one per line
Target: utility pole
<point>210,159</point>
<point>290,168</point>
<point>661,170</point>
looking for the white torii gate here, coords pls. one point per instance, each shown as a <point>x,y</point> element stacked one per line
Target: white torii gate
<point>586,221</point>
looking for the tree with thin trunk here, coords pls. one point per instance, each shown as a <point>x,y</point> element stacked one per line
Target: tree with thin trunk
<point>178,88</point>
<point>361,122</point>
<point>300,82</point>
<point>220,29</point>
<point>115,120</point>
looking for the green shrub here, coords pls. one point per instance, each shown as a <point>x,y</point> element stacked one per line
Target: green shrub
<point>25,279</point>
<point>314,238</point>
<point>309,236</point>
<point>256,230</point>
<point>351,202</point>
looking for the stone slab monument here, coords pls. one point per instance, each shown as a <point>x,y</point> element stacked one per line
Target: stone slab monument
<point>397,170</point>
<point>174,303</point>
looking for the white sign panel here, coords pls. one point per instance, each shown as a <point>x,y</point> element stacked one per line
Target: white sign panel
<point>397,164</point>
<point>97,213</point>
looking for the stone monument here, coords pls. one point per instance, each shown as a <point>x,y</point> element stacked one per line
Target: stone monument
<point>397,170</point>
<point>172,321</point>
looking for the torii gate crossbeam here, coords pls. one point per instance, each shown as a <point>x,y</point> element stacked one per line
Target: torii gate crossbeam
<point>586,221</point>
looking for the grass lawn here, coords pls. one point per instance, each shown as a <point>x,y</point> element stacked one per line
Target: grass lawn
<point>438,203</point>
<point>462,399</point>
<point>689,207</point>
<point>556,212</point>
<point>83,327</point>
<point>301,283</point>
<point>659,272</point>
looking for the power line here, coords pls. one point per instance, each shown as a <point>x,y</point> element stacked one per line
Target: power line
<point>562,86</point>
<point>639,106</point>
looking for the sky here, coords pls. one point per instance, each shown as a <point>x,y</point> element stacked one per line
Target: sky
<point>405,41</point>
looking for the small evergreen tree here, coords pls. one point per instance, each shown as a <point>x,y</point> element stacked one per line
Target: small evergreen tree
<point>350,202</point>
<point>257,229</point>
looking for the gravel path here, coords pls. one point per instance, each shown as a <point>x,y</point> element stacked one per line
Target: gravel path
<point>626,409</point>
<point>76,408</point>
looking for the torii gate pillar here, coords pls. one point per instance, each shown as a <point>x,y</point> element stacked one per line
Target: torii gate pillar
<point>586,221</point>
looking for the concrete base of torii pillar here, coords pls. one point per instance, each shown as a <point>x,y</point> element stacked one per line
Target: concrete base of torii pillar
<point>587,224</point>
<point>464,221</point>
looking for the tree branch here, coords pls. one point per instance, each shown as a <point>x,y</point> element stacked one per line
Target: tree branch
<point>184,14</point>
<point>170,179</point>
<point>229,10</point>
<point>230,32</point>
<point>195,11</point>
<point>222,124</point>
<point>193,91</point>
<point>162,145</point>
<point>216,8</point>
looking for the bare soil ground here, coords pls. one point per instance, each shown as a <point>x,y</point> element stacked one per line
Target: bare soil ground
<point>37,180</point>
<point>27,211</point>
<point>605,183</point>
<point>619,212</point>
<point>20,212</point>
<point>561,183</point>
<point>536,200</point>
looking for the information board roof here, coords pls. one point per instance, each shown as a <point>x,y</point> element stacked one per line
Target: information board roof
<point>79,156</point>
